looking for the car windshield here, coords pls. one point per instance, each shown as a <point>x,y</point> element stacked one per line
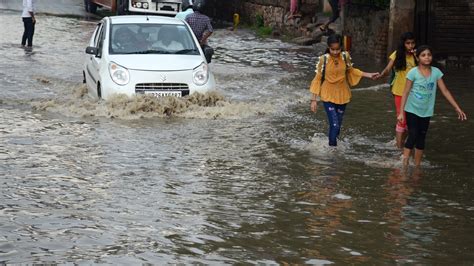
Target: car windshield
<point>151,39</point>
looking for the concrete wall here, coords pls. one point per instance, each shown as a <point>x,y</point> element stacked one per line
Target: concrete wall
<point>273,15</point>
<point>402,19</point>
<point>368,29</point>
<point>273,11</point>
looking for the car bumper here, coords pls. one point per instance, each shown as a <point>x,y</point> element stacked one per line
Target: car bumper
<point>155,82</point>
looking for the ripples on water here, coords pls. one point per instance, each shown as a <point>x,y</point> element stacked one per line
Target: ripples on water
<point>239,175</point>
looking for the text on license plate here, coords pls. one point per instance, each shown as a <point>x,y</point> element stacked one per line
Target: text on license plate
<point>164,93</point>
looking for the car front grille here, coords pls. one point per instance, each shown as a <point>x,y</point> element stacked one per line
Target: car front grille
<point>156,87</point>
<point>142,87</point>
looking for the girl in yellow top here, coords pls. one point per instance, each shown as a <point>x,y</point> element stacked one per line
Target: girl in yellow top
<point>334,74</point>
<point>403,60</point>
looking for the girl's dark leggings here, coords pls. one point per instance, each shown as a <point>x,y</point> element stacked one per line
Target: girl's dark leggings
<point>335,113</point>
<point>417,129</point>
<point>335,10</point>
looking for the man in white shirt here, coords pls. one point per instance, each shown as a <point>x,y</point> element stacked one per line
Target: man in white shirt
<point>29,22</point>
<point>187,7</point>
<point>168,41</point>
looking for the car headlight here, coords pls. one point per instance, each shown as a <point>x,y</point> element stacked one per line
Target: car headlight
<point>119,74</point>
<point>201,74</point>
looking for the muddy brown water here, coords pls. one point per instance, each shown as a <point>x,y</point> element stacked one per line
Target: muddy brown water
<point>239,175</point>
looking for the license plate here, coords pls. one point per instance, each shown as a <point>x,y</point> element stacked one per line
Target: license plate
<point>164,93</point>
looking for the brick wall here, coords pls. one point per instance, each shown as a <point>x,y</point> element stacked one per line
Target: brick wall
<point>452,30</point>
<point>448,26</point>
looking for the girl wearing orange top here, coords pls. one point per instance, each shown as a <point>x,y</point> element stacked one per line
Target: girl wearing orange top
<point>402,60</point>
<point>334,73</point>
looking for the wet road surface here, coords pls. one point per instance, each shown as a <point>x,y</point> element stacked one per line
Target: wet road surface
<point>71,8</point>
<point>241,175</point>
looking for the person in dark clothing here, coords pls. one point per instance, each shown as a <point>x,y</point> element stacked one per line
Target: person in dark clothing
<point>29,22</point>
<point>200,23</point>
<point>201,27</point>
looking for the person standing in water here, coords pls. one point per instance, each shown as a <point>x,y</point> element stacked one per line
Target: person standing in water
<point>418,102</point>
<point>334,75</point>
<point>201,26</point>
<point>29,21</point>
<point>401,61</point>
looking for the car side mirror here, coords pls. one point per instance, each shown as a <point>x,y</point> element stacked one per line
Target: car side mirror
<point>92,50</point>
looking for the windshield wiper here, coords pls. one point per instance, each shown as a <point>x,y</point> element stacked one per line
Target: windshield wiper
<point>186,51</point>
<point>146,52</point>
<point>152,52</point>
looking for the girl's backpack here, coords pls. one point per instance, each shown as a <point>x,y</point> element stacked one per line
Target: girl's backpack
<point>347,61</point>
<point>391,78</point>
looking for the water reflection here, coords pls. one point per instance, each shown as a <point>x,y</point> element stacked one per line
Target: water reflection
<point>408,217</point>
<point>328,208</point>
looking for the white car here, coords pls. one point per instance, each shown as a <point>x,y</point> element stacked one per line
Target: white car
<point>145,55</point>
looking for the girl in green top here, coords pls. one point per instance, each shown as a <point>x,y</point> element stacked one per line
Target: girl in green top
<point>401,61</point>
<point>418,102</point>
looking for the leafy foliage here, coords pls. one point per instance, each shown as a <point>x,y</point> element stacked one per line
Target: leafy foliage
<point>259,22</point>
<point>260,27</point>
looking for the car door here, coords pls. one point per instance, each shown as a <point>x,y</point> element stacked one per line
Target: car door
<point>93,62</point>
<point>89,71</point>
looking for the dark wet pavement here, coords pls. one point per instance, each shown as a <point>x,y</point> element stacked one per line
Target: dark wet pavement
<point>243,175</point>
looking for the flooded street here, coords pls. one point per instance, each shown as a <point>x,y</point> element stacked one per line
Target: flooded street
<point>240,175</point>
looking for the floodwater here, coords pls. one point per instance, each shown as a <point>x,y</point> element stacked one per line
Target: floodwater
<point>240,175</point>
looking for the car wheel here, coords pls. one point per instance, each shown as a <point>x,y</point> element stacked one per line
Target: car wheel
<point>83,77</point>
<point>99,91</point>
